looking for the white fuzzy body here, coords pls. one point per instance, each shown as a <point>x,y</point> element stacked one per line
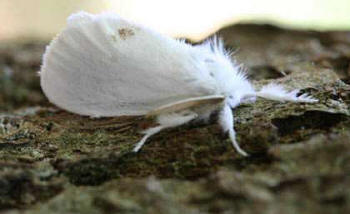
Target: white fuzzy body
<point>103,65</point>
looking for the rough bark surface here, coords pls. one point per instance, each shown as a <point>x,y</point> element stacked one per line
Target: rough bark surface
<point>52,161</point>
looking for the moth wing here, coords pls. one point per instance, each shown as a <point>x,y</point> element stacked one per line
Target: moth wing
<point>102,65</point>
<point>188,104</point>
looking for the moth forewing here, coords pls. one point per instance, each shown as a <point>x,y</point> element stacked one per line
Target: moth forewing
<point>103,65</point>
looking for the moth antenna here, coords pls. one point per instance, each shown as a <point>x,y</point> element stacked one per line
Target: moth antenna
<point>278,93</point>
<point>226,123</point>
<point>166,121</point>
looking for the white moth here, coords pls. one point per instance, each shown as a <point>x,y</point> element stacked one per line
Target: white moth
<point>103,65</point>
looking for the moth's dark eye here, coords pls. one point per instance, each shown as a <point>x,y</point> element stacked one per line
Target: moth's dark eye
<point>211,74</point>
<point>231,97</point>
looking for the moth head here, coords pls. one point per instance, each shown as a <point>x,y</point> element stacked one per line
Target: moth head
<point>241,93</point>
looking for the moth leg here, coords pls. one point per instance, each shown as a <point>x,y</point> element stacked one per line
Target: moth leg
<point>226,122</point>
<point>278,93</point>
<point>148,133</point>
<point>166,121</point>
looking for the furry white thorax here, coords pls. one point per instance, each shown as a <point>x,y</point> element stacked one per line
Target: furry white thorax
<point>230,80</point>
